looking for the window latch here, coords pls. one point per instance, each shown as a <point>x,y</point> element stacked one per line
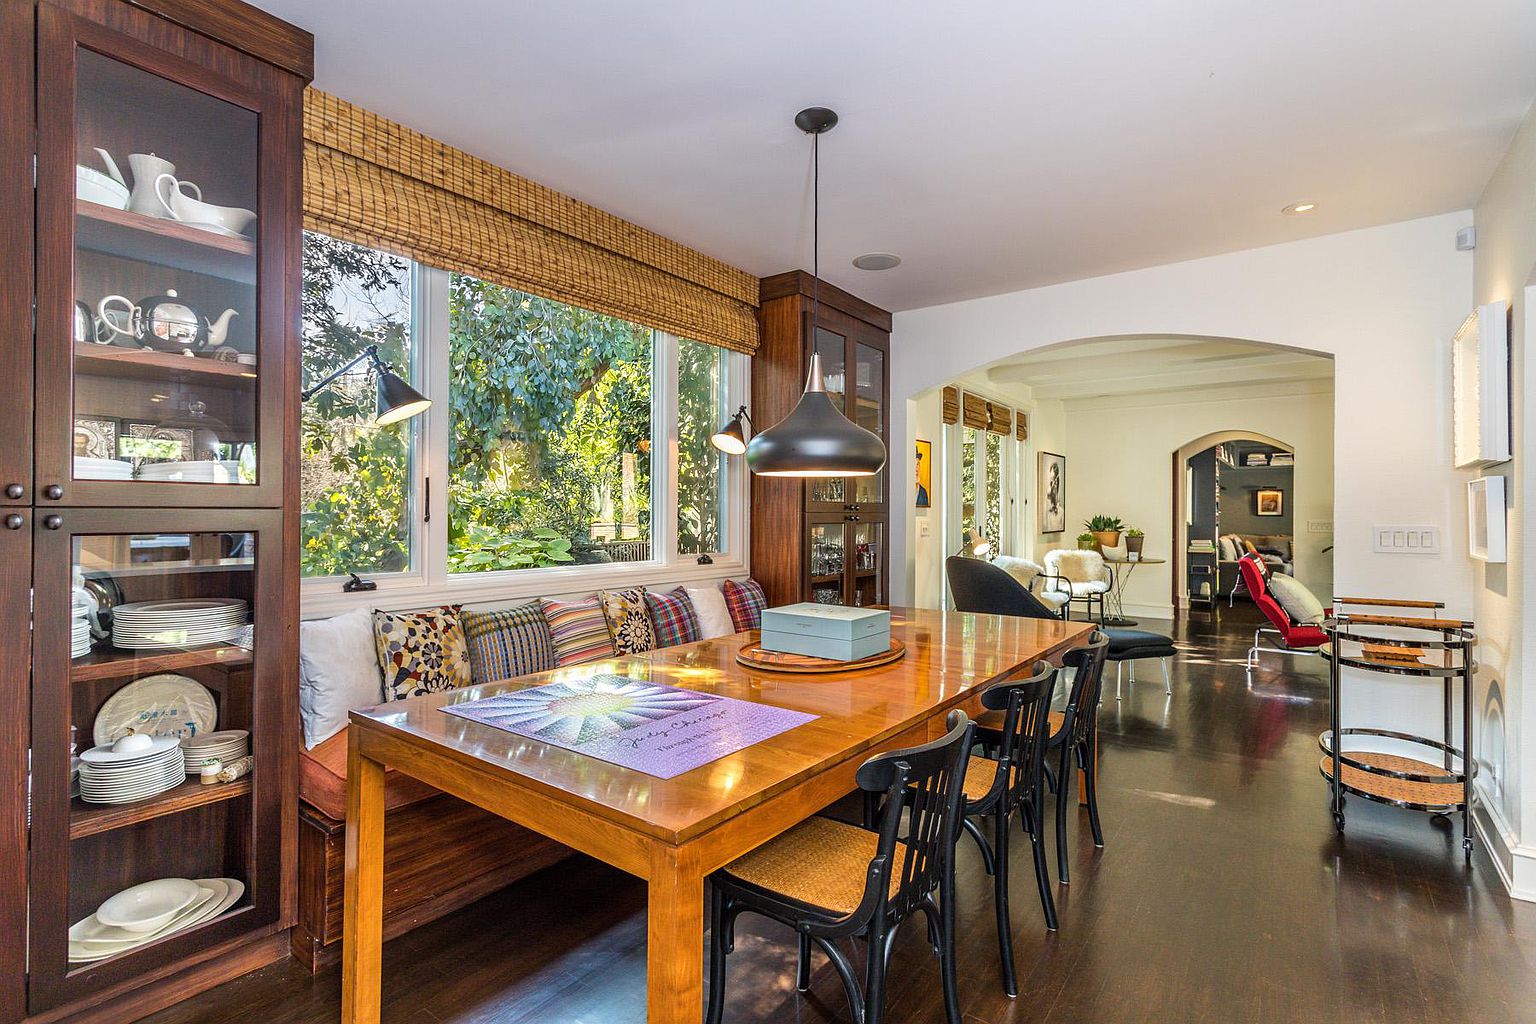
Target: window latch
<point>358,585</point>
<point>426,499</point>
<point>706,560</point>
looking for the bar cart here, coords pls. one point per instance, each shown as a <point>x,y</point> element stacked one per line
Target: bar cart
<point>1440,781</point>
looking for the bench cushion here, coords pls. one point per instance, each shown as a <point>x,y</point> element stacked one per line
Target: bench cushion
<point>323,781</point>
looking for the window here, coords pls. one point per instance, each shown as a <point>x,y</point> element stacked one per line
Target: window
<point>549,458</point>
<point>992,521</point>
<point>968,481</point>
<point>355,482</point>
<point>554,434</point>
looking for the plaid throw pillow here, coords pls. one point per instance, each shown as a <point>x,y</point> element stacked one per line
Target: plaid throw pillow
<point>578,631</point>
<point>421,652</point>
<point>628,624</point>
<point>507,643</point>
<point>745,600</point>
<point>672,618</point>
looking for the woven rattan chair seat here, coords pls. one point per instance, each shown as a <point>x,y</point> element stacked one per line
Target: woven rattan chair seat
<point>819,862</point>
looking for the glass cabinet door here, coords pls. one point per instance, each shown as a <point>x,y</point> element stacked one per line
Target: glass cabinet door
<point>827,550</point>
<point>868,411</point>
<point>159,300</point>
<point>157,703</point>
<point>866,563</point>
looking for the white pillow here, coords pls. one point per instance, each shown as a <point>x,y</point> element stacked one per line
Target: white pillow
<point>1021,569</point>
<point>338,671</point>
<point>709,606</point>
<point>1296,599</point>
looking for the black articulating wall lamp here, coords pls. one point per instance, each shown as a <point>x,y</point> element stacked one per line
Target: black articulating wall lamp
<point>816,439</point>
<point>397,400</point>
<point>732,438</point>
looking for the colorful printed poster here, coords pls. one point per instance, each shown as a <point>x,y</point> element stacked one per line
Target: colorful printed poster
<point>659,730</point>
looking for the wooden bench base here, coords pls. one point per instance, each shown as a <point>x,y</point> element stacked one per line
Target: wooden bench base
<point>441,854</point>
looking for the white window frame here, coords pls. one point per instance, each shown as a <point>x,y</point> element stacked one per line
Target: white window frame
<point>429,582</point>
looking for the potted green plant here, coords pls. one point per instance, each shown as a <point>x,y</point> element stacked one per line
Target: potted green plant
<point>1105,530</point>
<point>1087,542</point>
<point>1133,542</point>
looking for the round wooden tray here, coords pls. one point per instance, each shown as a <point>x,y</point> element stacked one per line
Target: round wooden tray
<point>753,656</point>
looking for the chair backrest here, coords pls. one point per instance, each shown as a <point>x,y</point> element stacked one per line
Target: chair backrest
<point>1026,707</point>
<point>1256,578</point>
<point>981,587</point>
<point>1082,712</point>
<point>927,781</point>
<point>1077,565</point>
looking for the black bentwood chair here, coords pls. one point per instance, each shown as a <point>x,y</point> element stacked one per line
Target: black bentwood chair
<point>828,880</point>
<point>1074,735</point>
<point>1011,784</point>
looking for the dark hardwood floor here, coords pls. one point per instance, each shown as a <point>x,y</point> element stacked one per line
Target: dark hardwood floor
<point>1222,895</point>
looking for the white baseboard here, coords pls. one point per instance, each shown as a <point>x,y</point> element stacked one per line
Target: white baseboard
<point>1514,862</point>
<point>1148,611</point>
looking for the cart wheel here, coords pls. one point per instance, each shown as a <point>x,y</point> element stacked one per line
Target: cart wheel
<point>1338,821</point>
<point>1466,845</point>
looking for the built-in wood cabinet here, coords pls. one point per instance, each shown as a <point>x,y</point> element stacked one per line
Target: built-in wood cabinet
<point>821,540</point>
<point>150,455</point>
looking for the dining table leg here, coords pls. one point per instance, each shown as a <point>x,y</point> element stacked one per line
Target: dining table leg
<point>674,951</point>
<point>362,932</point>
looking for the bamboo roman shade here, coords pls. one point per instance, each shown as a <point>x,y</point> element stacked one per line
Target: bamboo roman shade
<point>951,405</point>
<point>999,419</point>
<point>973,411</point>
<point>1021,426</point>
<point>374,182</point>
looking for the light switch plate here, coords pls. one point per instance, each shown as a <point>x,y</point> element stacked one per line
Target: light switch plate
<point>1319,525</point>
<point>1405,539</point>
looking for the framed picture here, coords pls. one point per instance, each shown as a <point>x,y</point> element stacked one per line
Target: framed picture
<point>1053,492</point>
<point>1485,519</point>
<point>924,457</point>
<point>1269,501</point>
<point>96,437</point>
<point>1480,420</point>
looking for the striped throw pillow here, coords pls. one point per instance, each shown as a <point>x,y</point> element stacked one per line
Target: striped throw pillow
<point>672,618</point>
<point>507,643</point>
<point>578,630</point>
<point>745,600</point>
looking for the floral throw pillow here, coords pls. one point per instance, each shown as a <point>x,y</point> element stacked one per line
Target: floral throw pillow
<point>627,621</point>
<point>745,600</point>
<point>421,652</point>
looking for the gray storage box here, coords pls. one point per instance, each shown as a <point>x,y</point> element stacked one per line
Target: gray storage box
<point>826,631</point>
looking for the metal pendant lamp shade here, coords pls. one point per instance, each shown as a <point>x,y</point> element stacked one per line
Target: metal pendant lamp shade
<point>815,439</point>
<point>397,399</point>
<point>732,437</point>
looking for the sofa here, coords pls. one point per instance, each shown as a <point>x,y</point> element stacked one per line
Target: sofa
<point>1276,551</point>
<point>442,853</point>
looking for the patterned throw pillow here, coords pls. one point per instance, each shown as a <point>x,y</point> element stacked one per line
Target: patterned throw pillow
<point>627,621</point>
<point>745,599</point>
<point>673,618</point>
<point>507,643</point>
<point>578,630</point>
<point>421,652</point>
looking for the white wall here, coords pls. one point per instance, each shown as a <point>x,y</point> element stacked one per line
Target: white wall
<point>1382,301</point>
<point>1120,462</point>
<point>1504,262</point>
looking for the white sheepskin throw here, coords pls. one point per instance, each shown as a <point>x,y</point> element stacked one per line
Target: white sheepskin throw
<point>1079,566</point>
<point>1021,569</point>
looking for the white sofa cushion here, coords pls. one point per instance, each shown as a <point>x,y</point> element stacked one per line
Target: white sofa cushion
<point>709,606</point>
<point>338,671</point>
<point>1299,602</point>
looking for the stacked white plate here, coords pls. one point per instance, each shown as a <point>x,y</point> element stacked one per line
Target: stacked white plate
<point>167,625</point>
<point>79,638</point>
<point>225,746</point>
<point>154,910</point>
<point>192,472</point>
<point>134,768</point>
<point>87,468</point>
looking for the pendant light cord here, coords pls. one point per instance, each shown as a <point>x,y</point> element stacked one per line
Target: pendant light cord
<point>815,235</point>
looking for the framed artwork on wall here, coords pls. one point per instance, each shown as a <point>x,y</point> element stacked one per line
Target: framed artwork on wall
<point>1480,421</point>
<point>1269,501</point>
<point>1485,519</point>
<point>1053,492</point>
<point>924,457</point>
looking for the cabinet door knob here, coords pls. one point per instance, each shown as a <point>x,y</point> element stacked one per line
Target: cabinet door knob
<point>53,522</point>
<point>53,492</point>
<point>14,490</point>
<point>14,521</point>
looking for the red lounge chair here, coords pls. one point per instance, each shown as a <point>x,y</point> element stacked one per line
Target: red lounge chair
<point>1291,637</point>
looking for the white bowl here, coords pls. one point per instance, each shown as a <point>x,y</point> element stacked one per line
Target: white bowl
<point>146,907</point>
<point>95,187</point>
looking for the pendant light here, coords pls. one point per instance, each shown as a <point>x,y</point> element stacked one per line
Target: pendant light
<point>816,439</point>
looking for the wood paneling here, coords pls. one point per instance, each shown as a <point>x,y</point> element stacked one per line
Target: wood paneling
<point>16,243</point>
<point>244,27</point>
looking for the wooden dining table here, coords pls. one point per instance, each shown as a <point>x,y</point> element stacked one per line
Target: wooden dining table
<point>671,832</point>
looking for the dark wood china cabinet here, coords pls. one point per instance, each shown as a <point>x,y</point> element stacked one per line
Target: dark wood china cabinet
<point>150,224</point>
<point>821,540</point>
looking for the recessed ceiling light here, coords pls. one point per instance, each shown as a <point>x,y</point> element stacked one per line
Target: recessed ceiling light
<point>1303,207</point>
<point>877,261</point>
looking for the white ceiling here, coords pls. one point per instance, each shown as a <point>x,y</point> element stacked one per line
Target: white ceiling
<point>1151,366</point>
<point>995,145</point>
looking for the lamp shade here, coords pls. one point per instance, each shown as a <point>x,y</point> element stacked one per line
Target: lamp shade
<point>815,439</point>
<point>730,438</point>
<point>397,399</point>
<point>974,545</point>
